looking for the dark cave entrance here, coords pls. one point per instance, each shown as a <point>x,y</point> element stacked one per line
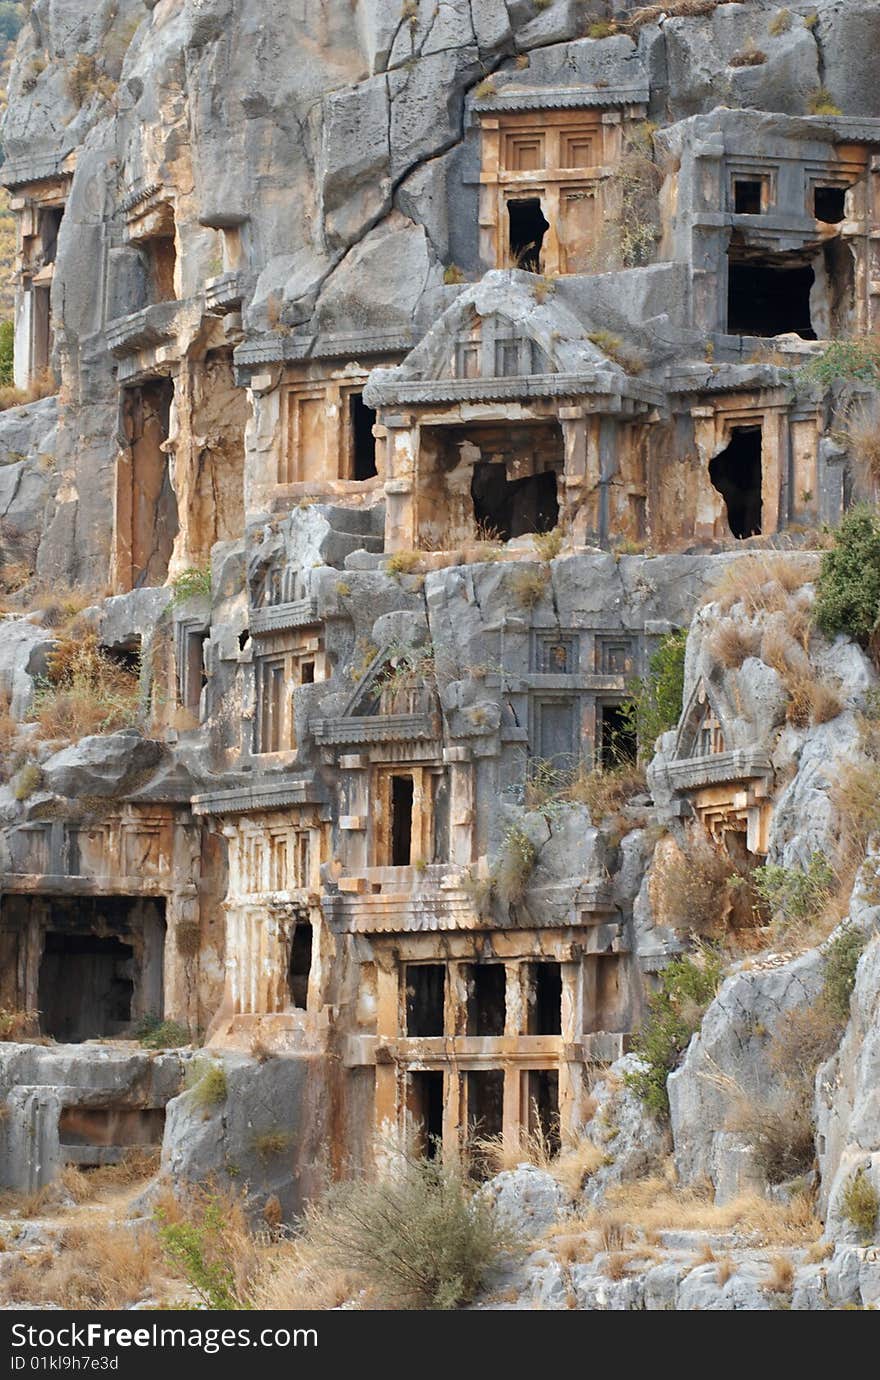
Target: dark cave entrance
<point>545,998</point>
<point>736,474</point>
<point>426,1110</point>
<point>829,204</point>
<point>766,297</point>
<point>527,227</point>
<point>513,507</point>
<point>618,740</point>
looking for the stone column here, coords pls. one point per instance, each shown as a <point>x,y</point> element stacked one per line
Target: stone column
<point>401,497</point>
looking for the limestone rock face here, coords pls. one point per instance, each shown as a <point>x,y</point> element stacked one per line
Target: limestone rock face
<point>109,765</point>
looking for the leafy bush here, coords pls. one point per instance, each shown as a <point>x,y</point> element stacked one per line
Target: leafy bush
<point>154,1033</point>
<point>861,1203</point>
<point>793,893</point>
<point>197,1247</point>
<point>698,890</point>
<point>7,334</point>
<point>846,359</point>
<point>841,960</point>
<point>848,591</point>
<point>192,583</point>
<point>654,705</point>
<point>420,1240</point>
<point>675,1012</point>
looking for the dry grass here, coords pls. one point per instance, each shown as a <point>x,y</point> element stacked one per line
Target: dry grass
<point>571,1166</point>
<point>750,56</point>
<point>697,888</point>
<point>763,582</point>
<point>294,1276</point>
<point>86,692</point>
<point>18,1025</point>
<point>811,699</point>
<point>726,1268</point>
<point>138,1165</point>
<point>862,438</point>
<point>528,585</point>
<point>781,1279</point>
<point>98,1265</point>
<point>731,643</point>
<point>43,386</point>
<point>654,1206</point>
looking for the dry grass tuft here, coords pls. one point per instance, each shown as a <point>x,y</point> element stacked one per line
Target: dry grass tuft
<point>731,643</point>
<point>763,582</point>
<point>86,692</point>
<point>98,1266</point>
<point>528,585</point>
<point>43,386</point>
<point>862,437</point>
<point>654,1206</point>
<point>726,1268</point>
<point>781,1279</point>
<point>571,1165</point>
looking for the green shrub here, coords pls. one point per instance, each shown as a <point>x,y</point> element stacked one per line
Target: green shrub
<point>794,893</point>
<point>654,705</point>
<point>845,359</point>
<point>675,1012</point>
<point>207,1083</point>
<point>270,1144</point>
<point>7,336</point>
<point>420,1240</point>
<point>154,1033</point>
<point>197,1248</point>
<point>861,1203</point>
<point>192,583</point>
<point>841,960</point>
<point>848,590</point>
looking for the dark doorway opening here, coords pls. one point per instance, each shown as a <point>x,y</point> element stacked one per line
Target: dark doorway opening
<point>829,204</point>
<point>765,298</point>
<point>86,986</point>
<point>618,739</point>
<point>401,820</point>
<point>542,1094</point>
<point>545,999</point>
<point>747,197</point>
<point>425,999</point>
<point>426,1110</point>
<point>487,999</point>
<point>527,227</point>
<point>363,443</point>
<point>50,224</point>
<point>300,964</point>
<point>513,507</point>
<point>736,474</point>
<point>485,1108</point>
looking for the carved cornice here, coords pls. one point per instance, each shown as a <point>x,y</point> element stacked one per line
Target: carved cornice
<point>266,795</point>
<point>275,349</point>
<point>375,728</point>
<point>599,383</point>
<point>301,613</point>
<point>141,329</point>
<point>561,98</point>
<point>18,172</point>
<point>740,764</point>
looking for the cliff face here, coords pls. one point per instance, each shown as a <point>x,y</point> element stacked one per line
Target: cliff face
<point>397,385</point>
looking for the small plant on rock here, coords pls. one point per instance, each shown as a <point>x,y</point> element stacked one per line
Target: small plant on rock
<point>860,1204</point>
<point>675,1012</point>
<point>796,894</point>
<point>654,705</point>
<point>192,583</point>
<point>841,961</point>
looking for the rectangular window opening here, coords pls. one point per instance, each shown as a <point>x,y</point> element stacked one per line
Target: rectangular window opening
<point>486,999</point>
<point>747,196</point>
<point>545,998</point>
<point>425,1104</point>
<point>425,999</point>
<point>402,792</point>
<point>618,740</point>
<point>362,419</point>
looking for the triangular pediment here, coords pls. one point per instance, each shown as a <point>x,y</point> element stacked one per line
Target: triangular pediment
<point>397,681</point>
<point>701,729</point>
